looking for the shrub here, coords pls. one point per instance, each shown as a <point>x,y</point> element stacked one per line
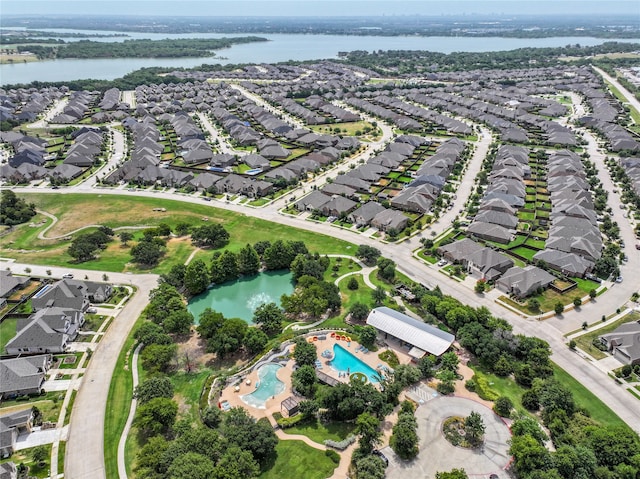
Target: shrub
<point>333,455</point>
<point>503,406</point>
<point>445,388</point>
<point>572,344</point>
<point>470,385</point>
<point>287,422</point>
<point>340,445</point>
<point>483,389</point>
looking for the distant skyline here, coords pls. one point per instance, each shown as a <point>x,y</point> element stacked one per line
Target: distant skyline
<point>320,7</point>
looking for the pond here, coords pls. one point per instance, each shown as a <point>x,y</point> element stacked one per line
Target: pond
<point>240,298</point>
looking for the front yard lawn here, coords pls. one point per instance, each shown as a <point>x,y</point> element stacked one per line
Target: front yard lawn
<point>319,432</point>
<point>585,341</point>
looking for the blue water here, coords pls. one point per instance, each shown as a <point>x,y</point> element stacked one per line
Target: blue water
<point>240,298</point>
<point>344,361</point>
<point>269,386</point>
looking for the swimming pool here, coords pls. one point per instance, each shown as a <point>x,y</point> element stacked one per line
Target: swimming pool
<point>268,386</point>
<point>344,361</point>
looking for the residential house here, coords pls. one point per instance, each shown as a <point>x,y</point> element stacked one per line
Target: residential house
<point>20,376</point>
<point>365,214</point>
<point>624,343</point>
<point>522,282</point>
<point>49,330</point>
<point>314,201</point>
<point>11,426</point>
<point>570,264</point>
<point>488,264</point>
<point>10,283</point>
<point>459,251</point>
<point>390,219</point>
<point>491,232</point>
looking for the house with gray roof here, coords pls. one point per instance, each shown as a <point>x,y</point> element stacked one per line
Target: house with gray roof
<point>49,330</point>
<point>313,201</point>
<point>11,426</point>
<point>25,375</point>
<point>8,470</point>
<point>390,219</point>
<point>10,283</point>
<point>459,251</point>
<point>522,282</point>
<point>497,218</point>
<point>488,264</point>
<point>624,343</point>
<point>62,294</point>
<point>365,214</point>
<point>491,232</point>
<point>338,206</point>
<point>570,264</point>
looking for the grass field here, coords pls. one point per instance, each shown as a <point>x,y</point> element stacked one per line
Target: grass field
<point>49,405</point>
<point>82,210</point>
<point>296,459</point>
<point>319,432</point>
<point>118,403</point>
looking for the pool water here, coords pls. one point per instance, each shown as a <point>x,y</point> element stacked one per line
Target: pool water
<point>269,386</point>
<point>344,361</point>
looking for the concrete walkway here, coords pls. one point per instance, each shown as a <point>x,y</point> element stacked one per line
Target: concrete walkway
<point>122,465</point>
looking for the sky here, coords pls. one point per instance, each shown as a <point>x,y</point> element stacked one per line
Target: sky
<point>319,7</point>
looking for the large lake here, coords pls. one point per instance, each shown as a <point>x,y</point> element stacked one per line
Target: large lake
<point>240,298</point>
<point>279,48</point>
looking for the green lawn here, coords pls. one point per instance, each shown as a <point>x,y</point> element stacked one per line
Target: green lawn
<point>585,399</point>
<point>500,386</point>
<point>24,456</point>
<point>524,252</point>
<point>319,432</point>
<point>49,405</point>
<point>7,331</point>
<point>294,459</point>
<point>118,403</point>
<point>81,210</point>
<point>187,388</point>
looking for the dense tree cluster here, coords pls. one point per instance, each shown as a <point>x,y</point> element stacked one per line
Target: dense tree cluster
<point>312,297</point>
<point>404,439</point>
<point>14,210</point>
<point>85,245</point>
<point>226,336</point>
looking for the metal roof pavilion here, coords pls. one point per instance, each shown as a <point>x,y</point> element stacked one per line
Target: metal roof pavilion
<point>411,331</point>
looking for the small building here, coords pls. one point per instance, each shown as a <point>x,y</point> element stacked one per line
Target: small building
<point>22,376</point>
<point>289,407</point>
<point>624,343</point>
<point>423,337</point>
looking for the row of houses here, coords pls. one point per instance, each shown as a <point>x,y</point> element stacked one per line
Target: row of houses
<point>631,167</point>
<point>489,265</point>
<point>80,102</point>
<point>574,242</point>
<point>497,218</point>
<point>26,104</point>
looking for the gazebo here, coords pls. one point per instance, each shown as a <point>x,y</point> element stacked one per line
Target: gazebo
<point>290,406</point>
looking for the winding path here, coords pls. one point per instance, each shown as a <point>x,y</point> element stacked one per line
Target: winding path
<point>122,465</point>
<point>54,220</point>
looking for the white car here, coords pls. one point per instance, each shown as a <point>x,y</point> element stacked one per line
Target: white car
<point>619,279</point>
<point>442,262</point>
<point>67,276</point>
<point>92,310</point>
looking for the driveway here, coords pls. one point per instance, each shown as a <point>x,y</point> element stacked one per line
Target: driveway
<point>437,454</point>
<point>39,437</point>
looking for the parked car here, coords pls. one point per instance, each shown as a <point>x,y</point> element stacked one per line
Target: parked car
<point>619,279</point>
<point>442,262</point>
<point>381,456</point>
<point>92,310</point>
<point>67,276</point>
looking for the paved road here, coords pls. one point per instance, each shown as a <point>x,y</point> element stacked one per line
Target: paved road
<point>631,99</point>
<point>437,454</point>
<point>85,447</point>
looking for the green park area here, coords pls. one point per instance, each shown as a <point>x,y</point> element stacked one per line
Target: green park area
<point>79,211</point>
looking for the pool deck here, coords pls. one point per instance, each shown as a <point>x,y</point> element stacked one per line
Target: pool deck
<point>272,405</point>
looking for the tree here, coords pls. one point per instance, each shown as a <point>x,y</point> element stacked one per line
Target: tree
<point>147,253</point>
<point>368,428</point>
<point>386,269</point>
<point>151,333</point>
<point>526,425</point>
<point>308,409</point>
<point>379,295</point>
<point>359,311</point>
<point>503,406</point>
<point>193,466</point>
<point>426,365</point>
<point>153,387</point>
<point>406,375</point>
<point>209,236</point>
<point>305,381</point>
<point>352,284</point>
<point>237,464</point>
<point>125,237</point>
<point>156,416</point>
<point>305,353</point>
<point>270,318</point>
<point>14,210</point>
<point>175,276</point>
<point>368,335</point>
<point>593,293</point>
<point>558,308</point>
<point>449,361</point>
<point>196,277</point>
<point>242,430</point>
<point>229,337</point>
<point>528,455</point>
<point>279,255</point>
<point>248,261</point>
<point>480,286</point>
<point>533,304</point>
<point>182,229</point>
<point>368,254</point>
<point>212,417</point>
<point>577,302</point>
<point>158,357</point>
<point>453,474</point>
<point>370,467</point>
<point>39,455</point>
<point>404,439</point>
<point>474,428</point>
<point>210,322</point>
<point>178,321</point>
<point>150,460</point>
<point>255,340</point>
